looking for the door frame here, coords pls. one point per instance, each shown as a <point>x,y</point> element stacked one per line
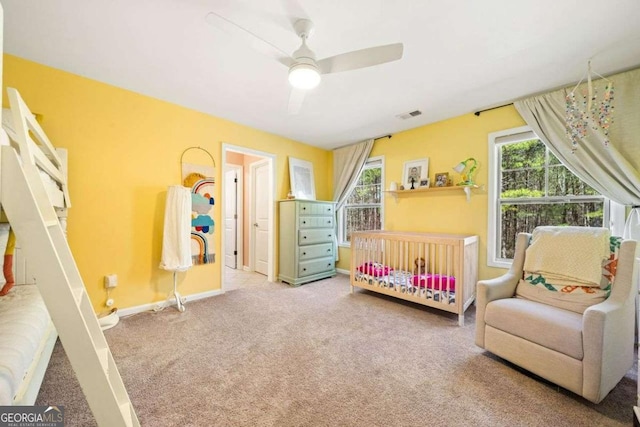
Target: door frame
<point>226,147</point>
<point>252,212</point>
<point>239,211</point>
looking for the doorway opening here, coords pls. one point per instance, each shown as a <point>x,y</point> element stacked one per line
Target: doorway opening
<point>248,192</point>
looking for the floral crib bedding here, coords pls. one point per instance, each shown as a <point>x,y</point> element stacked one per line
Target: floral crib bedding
<point>435,286</point>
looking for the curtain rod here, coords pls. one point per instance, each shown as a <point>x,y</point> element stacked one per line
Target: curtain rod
<point>375,139</point>
<point>477,113</point>
<point>568,86</point>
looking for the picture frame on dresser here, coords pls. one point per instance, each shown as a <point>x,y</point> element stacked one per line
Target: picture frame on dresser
<point>301,179</point>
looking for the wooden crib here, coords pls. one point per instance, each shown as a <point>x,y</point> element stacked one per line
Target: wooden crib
<point>437,270</point>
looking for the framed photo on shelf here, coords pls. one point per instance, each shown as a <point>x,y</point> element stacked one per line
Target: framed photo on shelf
<point>301,179</point>
<point>415,171</point>
<point>442,179</point>
<point>424,183</point>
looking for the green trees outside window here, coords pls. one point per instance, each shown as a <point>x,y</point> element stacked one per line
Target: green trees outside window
<point>363,210</point>
<point>537,189</point>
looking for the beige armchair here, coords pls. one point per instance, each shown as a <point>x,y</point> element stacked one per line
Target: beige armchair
<point>587,353</point>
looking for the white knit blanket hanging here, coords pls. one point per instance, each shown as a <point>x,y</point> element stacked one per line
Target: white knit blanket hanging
<point>176,241</point>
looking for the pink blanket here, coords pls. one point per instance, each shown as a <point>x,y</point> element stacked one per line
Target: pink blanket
<point>434,281</point>
<point>374,269</point>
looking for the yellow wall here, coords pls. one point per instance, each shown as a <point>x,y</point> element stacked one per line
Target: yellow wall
<point>445,143</point>
<point>124,150</point>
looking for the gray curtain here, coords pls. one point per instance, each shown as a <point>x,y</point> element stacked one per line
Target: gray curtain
<point>613,169</point>
<point>347,164</point>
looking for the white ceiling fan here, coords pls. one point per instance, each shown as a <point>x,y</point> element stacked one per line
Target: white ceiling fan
<point>304,69</point>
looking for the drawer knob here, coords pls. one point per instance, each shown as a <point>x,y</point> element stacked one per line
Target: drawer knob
<point>304,269</point>
<point>304,237</point>
<point>304,222</point>
<point>328,235</point>
<point>329,250</point>
<point>304,253</point>
<point>329,265</point>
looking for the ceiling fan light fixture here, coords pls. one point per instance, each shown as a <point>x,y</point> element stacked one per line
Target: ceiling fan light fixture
<point>304,76</point>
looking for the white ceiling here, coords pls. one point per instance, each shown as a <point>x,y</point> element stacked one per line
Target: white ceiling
<point>459,56</point>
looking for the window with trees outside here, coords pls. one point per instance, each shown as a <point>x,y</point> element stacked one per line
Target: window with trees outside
<point>363,210</point>
<point>530,187</point>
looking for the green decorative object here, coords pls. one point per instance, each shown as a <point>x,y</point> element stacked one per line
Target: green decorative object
<point>467,177</point>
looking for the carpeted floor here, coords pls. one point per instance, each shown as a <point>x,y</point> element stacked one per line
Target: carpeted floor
<point>316,355</point>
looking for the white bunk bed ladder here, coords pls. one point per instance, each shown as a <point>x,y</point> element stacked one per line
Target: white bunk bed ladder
<point>35,223</point>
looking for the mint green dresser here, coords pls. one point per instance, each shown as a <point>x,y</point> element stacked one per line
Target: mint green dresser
<point>307,241</point>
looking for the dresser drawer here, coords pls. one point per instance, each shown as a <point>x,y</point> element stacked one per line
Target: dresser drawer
<point>316,208</point>
<point>315,222</point>
<point>311,237</point>
<point>307,268</point>
<point>315,251</point>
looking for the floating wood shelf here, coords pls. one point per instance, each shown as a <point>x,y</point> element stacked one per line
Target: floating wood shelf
<point>466,188</point>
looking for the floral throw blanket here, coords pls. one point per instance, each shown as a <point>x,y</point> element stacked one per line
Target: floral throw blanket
<point>568,255</point>
<point>575,297</point>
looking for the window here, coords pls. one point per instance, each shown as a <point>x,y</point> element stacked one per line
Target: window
<point>364,207</point>
<point>528,187</point>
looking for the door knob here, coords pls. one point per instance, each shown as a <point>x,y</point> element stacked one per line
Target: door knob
<point>255,225</point>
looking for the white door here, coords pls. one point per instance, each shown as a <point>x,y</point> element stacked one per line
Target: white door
<point>261,208</point>
<point>231,217</point>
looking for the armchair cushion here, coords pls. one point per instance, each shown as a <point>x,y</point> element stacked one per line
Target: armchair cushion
<point>551,327</point>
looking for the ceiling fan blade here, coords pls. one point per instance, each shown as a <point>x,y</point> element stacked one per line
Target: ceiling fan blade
<point>294,11</point>
<point>361,58</point>
<point>250,39</point>
<point>296,97</point>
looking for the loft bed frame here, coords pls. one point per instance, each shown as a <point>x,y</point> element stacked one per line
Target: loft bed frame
<point>27,326</point>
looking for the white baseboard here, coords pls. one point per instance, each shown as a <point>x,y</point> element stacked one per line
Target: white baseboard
<point>343,271</point>
<point>246,268</point>
<point>167,303</point>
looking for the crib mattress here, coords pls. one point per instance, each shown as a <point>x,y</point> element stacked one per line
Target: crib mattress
<point>435,287</point>
<point>25,325</point>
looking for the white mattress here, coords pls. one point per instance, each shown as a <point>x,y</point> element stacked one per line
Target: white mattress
<point>24,325</point>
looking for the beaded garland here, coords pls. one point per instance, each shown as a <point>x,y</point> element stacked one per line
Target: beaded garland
<point>584,112</point>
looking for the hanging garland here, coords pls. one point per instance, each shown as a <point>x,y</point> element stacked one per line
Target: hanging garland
<point>586,111</point>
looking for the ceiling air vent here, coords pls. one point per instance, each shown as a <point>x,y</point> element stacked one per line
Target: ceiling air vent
<point>405,116</point>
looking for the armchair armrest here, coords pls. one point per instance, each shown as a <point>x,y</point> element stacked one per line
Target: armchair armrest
<point>608,330</point>
<point>500,287</point>
<point>491,290</point>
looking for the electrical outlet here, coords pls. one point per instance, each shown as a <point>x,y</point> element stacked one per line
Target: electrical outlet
<point>111,281</point>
